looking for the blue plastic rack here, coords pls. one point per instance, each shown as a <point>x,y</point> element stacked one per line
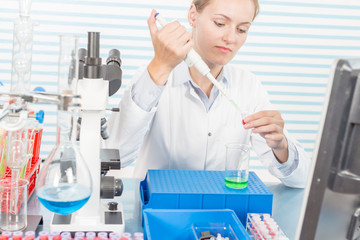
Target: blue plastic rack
<point>190,189</point>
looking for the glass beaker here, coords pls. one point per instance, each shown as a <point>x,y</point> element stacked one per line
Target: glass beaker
<point>13,218</point>
<point>237,165</point>
<point>64,183</point>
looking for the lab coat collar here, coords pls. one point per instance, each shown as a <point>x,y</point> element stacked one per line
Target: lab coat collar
<point>182,74</point>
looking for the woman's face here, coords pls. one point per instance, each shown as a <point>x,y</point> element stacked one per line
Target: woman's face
<point>221,29</point>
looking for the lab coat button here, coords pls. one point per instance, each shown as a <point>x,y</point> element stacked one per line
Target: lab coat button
<point>209,134</point>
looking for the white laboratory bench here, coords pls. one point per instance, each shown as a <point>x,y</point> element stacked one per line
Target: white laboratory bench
<point>286,207</point>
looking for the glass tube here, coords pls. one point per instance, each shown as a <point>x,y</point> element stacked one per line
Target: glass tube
<point>22,49</point>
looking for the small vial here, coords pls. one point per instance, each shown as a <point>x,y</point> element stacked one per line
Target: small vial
<point>53,234</point>
<point>16,237</point>
<point>4,237</point>
<point>30,233</point>
<point>113,236</point>
<point>29,237</point>
<point>44,237</point>
<point>90,235</point>
<point>18,233</point>
<point>126,234</point>
<point>123,238</point>
<point>43,233</point>
<point>103,235</point>
<point>79,234</point>
<point>7,233</point>
<point>138,235</point>
<point>57,237</point>
<point>65,235</point>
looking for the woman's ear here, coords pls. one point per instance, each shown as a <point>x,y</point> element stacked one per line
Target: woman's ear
<point>192,15</point>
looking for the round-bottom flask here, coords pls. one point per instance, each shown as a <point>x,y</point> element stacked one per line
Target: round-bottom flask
<point>64,183</point>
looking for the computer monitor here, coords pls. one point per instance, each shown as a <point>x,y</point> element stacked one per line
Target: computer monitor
<point>331,205</point>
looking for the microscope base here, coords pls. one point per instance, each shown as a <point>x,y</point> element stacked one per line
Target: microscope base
<point>107,221</point>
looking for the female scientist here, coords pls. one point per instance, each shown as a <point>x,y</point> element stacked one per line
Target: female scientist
<point>172,117</point>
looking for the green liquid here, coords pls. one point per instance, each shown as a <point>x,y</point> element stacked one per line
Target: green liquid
<point>235,182</point>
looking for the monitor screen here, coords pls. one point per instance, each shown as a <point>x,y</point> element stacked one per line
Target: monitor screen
<point>332,196</point>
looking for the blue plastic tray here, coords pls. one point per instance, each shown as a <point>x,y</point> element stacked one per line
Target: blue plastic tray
<point>188,189</point>
<point>183,224</point>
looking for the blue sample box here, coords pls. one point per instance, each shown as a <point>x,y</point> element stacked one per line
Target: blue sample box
<point>179,224</point>
<point>192,189</point>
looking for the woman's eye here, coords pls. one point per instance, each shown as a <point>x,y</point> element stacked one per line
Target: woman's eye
<point>242,30</point>
<point>218,24</point>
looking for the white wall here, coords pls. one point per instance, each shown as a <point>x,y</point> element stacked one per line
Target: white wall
<point>290,47</point>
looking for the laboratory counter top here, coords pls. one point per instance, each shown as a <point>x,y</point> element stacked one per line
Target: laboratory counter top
<point>286,207</point>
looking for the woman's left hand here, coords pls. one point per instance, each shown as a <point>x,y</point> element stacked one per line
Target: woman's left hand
<point>270,125</point>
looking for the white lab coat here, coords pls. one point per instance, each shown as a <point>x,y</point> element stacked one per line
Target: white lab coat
<point>180,134</point>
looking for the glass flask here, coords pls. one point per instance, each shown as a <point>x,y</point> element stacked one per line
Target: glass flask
<point>64,184</point>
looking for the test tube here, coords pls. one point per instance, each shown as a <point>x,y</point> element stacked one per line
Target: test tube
<point>53,234</point>
<point>90,235</point>
<point>7,233</point>
<point>113,236</point>
<point>65,235</point>
<point>17,233</point>
<point>79,235</point>
<point>30,233</point>
<point>126,234</point>
<point>43,233</point>
<point>103,235</point>
<point>139,235</point>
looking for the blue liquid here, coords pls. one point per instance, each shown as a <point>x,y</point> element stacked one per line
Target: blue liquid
<point>65,198</point>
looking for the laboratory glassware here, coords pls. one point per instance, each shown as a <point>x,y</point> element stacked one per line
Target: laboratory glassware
<point>13,218</point>
<point>22,49</point>
<point>65,184</point>
<point>237,165</point>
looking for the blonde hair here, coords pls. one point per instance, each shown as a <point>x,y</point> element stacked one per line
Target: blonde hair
<point>201,4</point>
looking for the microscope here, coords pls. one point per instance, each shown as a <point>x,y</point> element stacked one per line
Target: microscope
<point>96,83</point>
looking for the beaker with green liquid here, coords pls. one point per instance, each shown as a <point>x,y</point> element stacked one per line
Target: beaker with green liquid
<point>237,165</point>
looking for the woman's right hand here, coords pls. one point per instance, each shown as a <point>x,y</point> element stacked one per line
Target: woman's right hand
<point>171,44</point>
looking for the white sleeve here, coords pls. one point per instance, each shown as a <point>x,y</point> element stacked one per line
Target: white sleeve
<point>292,173</point>
<point>128,127</point>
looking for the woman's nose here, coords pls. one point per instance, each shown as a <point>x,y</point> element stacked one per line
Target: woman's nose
<point>229,35</point>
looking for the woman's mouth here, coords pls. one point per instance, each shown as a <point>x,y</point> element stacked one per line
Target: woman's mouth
<point>223,49</point>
